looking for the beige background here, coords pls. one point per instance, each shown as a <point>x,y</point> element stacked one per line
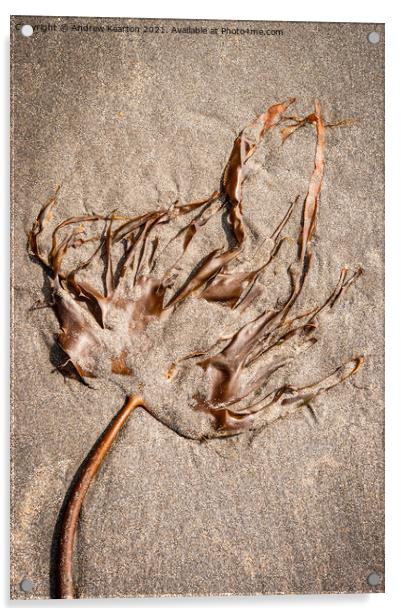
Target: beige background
<point>129,121</point>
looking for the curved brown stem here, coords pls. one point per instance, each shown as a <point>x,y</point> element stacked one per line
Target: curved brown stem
<point>78,493</point>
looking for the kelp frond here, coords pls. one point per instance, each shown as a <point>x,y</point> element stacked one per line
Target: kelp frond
<point>136,279</point>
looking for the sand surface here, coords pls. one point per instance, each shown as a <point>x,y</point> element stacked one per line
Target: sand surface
<point>132,122</point>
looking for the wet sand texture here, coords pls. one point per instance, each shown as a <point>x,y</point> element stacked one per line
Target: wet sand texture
<point>130,124</point>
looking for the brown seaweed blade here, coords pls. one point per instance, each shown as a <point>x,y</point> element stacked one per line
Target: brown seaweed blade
<point>225,369</point>
<point>287,131</point>
<point>229,422</point>
<point>315,184</point>
<point>244,147</point>
<point>77,336</point>
<point>210,266</point>
<point>306,394</point>
<point>42,220</point>
<point>235,172</point>
<point>299,269</point>
<point>298,272</point>
<point>263,335</point>
<point>233,178</point>
<point>304,334</point>
<point>284,331</point>
<point>228,288</point>
<point>233,288</point>
<point>188,232</point>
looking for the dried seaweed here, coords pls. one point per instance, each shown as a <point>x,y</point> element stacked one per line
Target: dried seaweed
<point>83,310</point>
<point>138,282</point>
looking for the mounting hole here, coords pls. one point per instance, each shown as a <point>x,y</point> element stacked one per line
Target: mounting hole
<point>374,37</point>
<point>374,579</point>
<point>26,585</point>
<point>26,30</point>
